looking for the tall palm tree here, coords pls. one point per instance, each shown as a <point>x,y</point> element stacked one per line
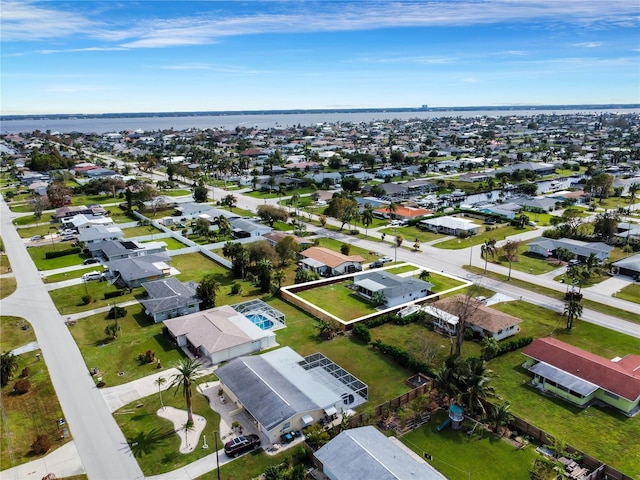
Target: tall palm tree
<point>399,240</point>
<point>189,370</point>
<point>475,385</point>
<point>160,381</point>
<point>499,415</point>
<point>633,189</point>
<point>573,311</point>
<point>367,217</point>
<point>392,208</point>
<point>279,277</point>
<point>486,249</point>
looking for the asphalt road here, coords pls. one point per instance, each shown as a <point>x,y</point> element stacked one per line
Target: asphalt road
<point>101,445</point>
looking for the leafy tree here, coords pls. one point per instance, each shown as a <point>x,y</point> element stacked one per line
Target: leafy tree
<point>200,194</point>
<point>605,224</point>
<point>303,275</point>
<point>490,348</point>
<point>189,370</point>
<point>41,445</point>
<point>271,214</point>
<point>339,204</point>
<point>207,291</point>
<point>287,249</point>
<point>224,227</point>
<point>351,184</point>
<point>599,185</point>
<point>264,275</point>
<point>511,253</point>
<point>279,276</point>
<point>260,250</point>
<point>117,312</point>
<point>202,228</point>
<point>58,193</point>
<point>378,298</point>
<point>345,249</point>
<point>8,366</point>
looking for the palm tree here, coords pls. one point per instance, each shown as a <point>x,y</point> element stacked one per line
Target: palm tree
<point>573,311</point>
<point>486,249</point>
<point>160,381</point>
<point>399,240</point>
<point>189,370</point>
<point>633,189</point>
<point>367,217</point>
<point>511,252</point>
<point>392,208</point>
<point>499,415</point>
<point>279,277</point>
<point>475,384</point>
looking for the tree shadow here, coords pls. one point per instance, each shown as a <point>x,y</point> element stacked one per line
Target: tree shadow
<point>144,443</point>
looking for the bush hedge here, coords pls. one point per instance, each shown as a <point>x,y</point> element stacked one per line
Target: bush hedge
<point>512,345</point>
<point>115,293</point>
<point>403,357</point>
<point>62,253</point>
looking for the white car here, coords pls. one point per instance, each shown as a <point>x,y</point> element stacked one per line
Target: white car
<point>384,260</point>
<point>95,275</point>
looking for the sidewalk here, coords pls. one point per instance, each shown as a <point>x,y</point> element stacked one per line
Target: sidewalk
<point>64,461</point>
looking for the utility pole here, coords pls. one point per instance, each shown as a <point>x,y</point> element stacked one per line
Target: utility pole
<point>215,435</point>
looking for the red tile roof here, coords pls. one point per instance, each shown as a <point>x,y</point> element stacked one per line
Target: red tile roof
<point>405,212</point>
<point>621,378</point>
<point>329,257</point>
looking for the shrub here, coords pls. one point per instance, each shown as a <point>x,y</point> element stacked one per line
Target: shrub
<point>236,289</point>
<point>22,386</point>
<point>117,312</point>
<point>513,345</point>
<point>150,356</point>
<point>115,293</point>
<point>87,299</point>
<point>41,445</point>
<point>361,332</point>
<point>26,371</point>
<point>62,253</point>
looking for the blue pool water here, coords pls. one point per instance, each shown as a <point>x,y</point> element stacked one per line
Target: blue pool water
<point>260,320</point>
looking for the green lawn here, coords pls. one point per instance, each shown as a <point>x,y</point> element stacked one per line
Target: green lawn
<point>526,262</point>
<point>580,427</point>
<point>410,234</point>
<point>113,356</point>
<point>33,413</point>
<point>172,243</point>
<point>499,233</point>
<point>599,307</point>
<point>402,269</point>
<point>157,449</point>
<point>69,299</point>
<point>42,229</point>
<point>60,277</point>
<point>630,293</point>
<point>140,231</point>
<point>333,244</point>
<point>38,256</point>
<point>31,220</point>
<point>442,282</point>
<point>460,456</point>
<point>339,300</point>
<point>8,285</point>
<point>5,264</point>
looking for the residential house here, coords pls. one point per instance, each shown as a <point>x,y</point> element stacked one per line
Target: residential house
<point>170,298</point>
<point>83,221</point>
<point>330,178</point>
<point>533,204</point>
<point>364,453</point>
<point>484,320</point>
<point>450,226</point>
<point>402,212</point>
<point>326,262</point>
<point>286,392</point>
<point>219,334</point>
<point>582,377</point>
<point>395,290</point>
<point>547,247</point>
<point>192,211</point>
<point>133,272</point>
<point>99,233</point>
<point>275,236</point>
<point>241,228</point>
<point>70,211</point>
<point>629,266</point>
<point>117,249</point>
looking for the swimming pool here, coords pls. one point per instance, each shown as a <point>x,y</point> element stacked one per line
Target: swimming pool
<point>260,321</point>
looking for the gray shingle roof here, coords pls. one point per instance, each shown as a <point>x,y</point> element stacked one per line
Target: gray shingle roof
<point>393,284</point>
<point>364,454</point>
<point>168,294</point>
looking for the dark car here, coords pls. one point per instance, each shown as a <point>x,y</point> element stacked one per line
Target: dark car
<point>90,261</point>
<point>241,444</point>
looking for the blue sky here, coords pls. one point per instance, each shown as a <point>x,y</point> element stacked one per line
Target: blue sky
<point>123,56</point>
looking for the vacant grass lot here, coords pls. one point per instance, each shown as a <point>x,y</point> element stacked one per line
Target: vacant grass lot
<point>140,231</point>
<point>583,428</point>
<point>411,233</point>
<point>44,229</point>
<point>69,299</point>
<point>499,233</point>
<point>339,300</point>
<point>402,269</point>
<point>335,245</point>
<point>113,356</point>
<point>527,262</point>
<point>442,282</point>
<point>460,456</point>
<point>8,285</point>
<point>5,264</point>
<point>38,256</point>
<point>631,293</point>
<point>157,444</point>
<point>172,243</point>
<point>33,413</point>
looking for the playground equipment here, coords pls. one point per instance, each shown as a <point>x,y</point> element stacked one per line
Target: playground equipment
<point>455,418</point>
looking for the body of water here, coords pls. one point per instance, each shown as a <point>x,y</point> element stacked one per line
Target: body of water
<point>261,121</point>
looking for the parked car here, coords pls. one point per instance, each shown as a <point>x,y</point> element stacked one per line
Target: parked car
<point>35,238</point>
<point>241,444</point>
<point>90,261</point>
<point>95,275</point>
<point>385,260</point>
<point>66,238</point>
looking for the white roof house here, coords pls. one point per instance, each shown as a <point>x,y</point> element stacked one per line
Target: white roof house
<point>450,225</point>
<point>364,453</point>
<point>100,233</point>
<point>284,391</point>
<point>219,334</point>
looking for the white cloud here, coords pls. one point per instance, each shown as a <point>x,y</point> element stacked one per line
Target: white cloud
<point>587,44</point>
<point>210,67</point>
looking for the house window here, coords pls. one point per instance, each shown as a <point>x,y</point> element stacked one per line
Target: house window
<point>611,395</point>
